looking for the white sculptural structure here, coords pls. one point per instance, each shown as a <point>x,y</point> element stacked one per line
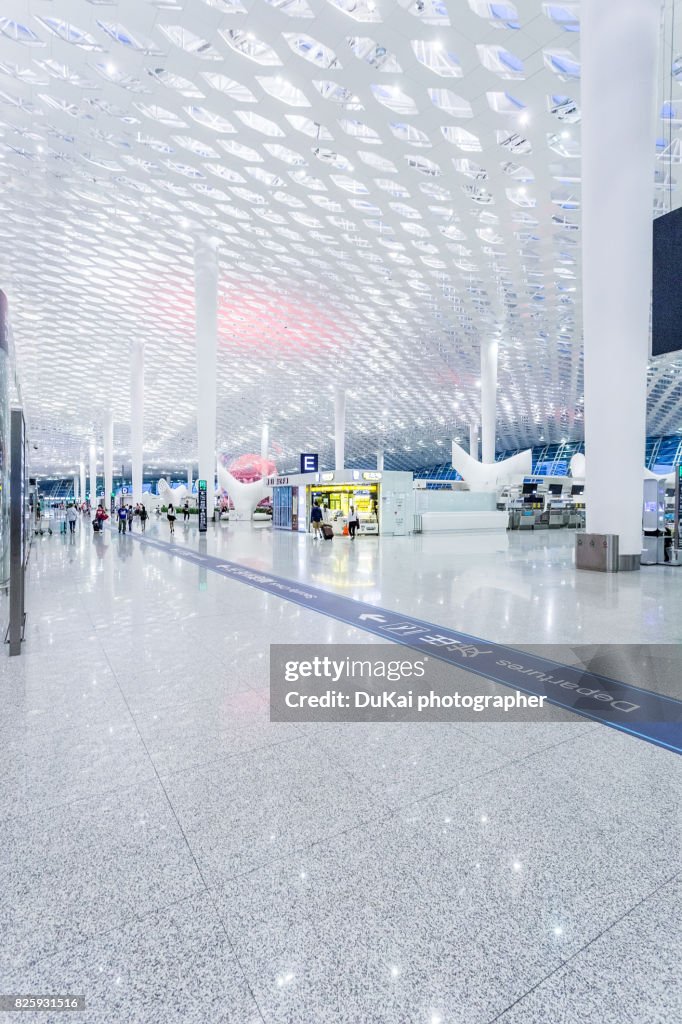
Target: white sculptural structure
<point>490,476</point>
<point>245,496</point>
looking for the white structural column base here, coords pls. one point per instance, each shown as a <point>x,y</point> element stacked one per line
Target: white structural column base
<point>618,117</point>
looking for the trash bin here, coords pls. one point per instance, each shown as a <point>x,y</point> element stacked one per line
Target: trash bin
<point>597,552</point>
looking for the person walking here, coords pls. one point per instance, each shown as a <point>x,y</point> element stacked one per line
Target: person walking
<point>170,515</point>
<point>353,522</point>
<point>122,518</point>
<point>185,511</point>
<point>71,517</point>
<point>316,520</point>
<point>143,517</point>
<point>101,517</point>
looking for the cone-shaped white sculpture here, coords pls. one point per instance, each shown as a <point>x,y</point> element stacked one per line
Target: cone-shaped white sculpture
<point>489,476</point>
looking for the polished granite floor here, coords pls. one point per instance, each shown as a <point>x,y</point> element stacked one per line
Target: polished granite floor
<point>173,856</point>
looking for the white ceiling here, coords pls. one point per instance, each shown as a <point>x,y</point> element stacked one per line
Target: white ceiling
<point>390,182</point>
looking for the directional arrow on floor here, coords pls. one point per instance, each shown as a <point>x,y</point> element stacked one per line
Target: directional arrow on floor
<point>374,618</point>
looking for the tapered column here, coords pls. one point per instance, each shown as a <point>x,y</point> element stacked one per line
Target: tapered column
<point>108,457</point>
<point>81,474</point>
<point>93,475</point>
<point>339,428</point>
<point>137,417</point>
<point>190,481</point>
<point>380,460</point>
<point>265,442</point>
<point>473,441</point>
<point>206,324</point>
<point>76,489</point>
<point>618,117</point>
<point>488,399</point>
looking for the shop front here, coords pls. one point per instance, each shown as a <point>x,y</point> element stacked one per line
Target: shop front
<point>369,492</point>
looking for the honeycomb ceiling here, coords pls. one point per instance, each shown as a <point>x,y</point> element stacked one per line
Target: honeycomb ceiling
<point>390,182</point>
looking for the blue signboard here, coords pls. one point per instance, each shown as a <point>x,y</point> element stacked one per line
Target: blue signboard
<point>309,462</point>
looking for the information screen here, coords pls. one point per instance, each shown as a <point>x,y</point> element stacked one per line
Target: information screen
<point>666,310</point>
<point>203,507</point>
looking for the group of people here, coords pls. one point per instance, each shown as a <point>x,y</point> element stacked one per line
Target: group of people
<point>125,515</point>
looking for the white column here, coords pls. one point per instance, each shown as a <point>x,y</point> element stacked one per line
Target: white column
<point>339,428</point>
<point>265,441</point>
<point>618,118</point>
<point>190,481</point>
<point>93,475</point>
<point>488,399</point>
<point>136,417</point>
<point>473,441</point>
<point>380,460</point>
<point>76,489</point>
<point>206,326</point>
<point>108,456</point>
<point>81,473</point>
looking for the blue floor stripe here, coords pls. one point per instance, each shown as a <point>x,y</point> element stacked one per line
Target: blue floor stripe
<point>631,709</point>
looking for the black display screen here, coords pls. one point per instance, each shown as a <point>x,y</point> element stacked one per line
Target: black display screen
<point>666,310</point>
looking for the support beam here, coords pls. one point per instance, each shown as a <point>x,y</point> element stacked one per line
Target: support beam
<point>137,418</point>
<point>488,399</point>
<point>92,491</point>
<point>265,442</point>
<point>81,474</point>
<point>206,325</point>
<point>618,117</point>
<point>380,460</point>
<point>473,441</point>
<point>339,428</point>
<point>108,457</point>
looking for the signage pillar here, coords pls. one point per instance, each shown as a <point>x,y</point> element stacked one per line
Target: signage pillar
<point>203,506</point>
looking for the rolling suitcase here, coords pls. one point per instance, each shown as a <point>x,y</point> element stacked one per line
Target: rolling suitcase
<point>327,532</point>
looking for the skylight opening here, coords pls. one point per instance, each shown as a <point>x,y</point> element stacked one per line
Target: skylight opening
<point>436,58</point>
<point>246,44</point>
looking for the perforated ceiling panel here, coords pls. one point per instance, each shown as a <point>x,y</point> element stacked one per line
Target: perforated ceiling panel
<point>390,182</point>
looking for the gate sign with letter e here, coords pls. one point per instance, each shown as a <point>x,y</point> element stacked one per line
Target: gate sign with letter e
<point>309,463</point>
<point>203,510</point>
